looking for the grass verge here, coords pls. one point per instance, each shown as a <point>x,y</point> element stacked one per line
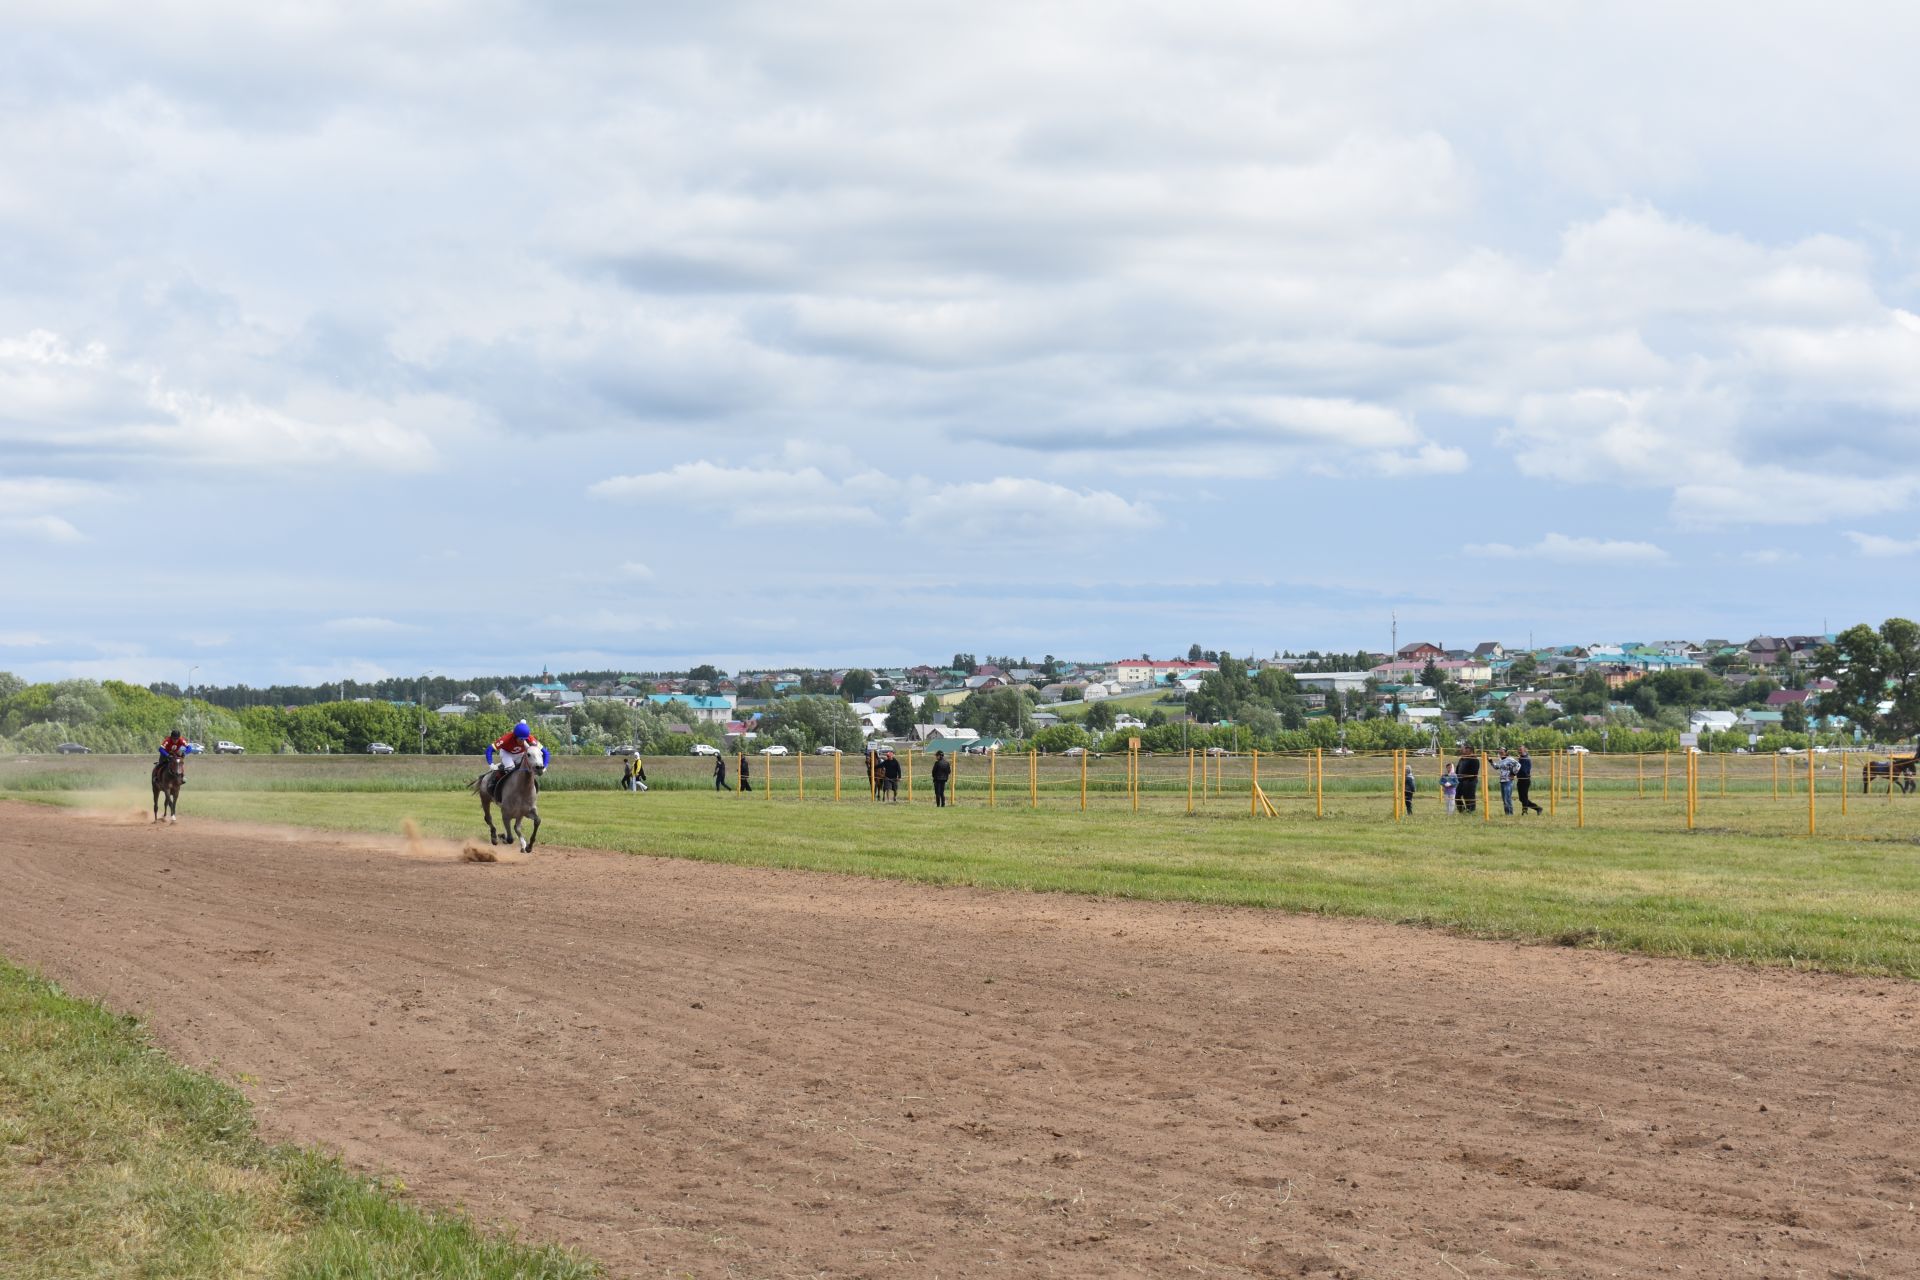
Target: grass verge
<point>116,1162</point>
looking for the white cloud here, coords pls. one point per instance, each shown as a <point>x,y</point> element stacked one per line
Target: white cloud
<point>1011,509</point>
<point>636,571</point>
<point>745,495</point>
<point>1880,545</point>
<point>42,528</point>
<point>23,639</point>
<point>365,626</point>
<point>1560,548</point>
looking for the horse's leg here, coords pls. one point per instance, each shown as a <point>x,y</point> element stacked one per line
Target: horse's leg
<point>533,813</point>
<point>156,802</point>
<point>486,811</point>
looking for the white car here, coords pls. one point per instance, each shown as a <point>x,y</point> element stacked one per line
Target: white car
<point>225,748</point>
<point>774,749</point>
<point>1789,751</point>
<point>703,749</point>
<point>826,751</point>
<point>379,749</point>
<point>1577,750</point>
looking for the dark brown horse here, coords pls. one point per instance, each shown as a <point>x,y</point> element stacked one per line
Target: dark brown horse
<point>517,792</point>
<point>169,776</point>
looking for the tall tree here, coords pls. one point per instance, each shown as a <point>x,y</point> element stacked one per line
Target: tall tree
<point>1870,668</point>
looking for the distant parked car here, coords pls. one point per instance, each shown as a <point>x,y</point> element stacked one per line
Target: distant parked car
<point>1074,751</point>
<point>73,749</point>
<point>628,750</point>
<point>195,748</point>
<point>703,749</point>
<point>1577,750</point>
<point>379,749</point>
<point>1218,751</point>
<point>826,751</point>
<point>1789,751</point>
<point>225,748</point>
<point>774,749</point>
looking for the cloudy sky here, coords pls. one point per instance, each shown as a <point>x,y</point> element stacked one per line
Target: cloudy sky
<point>367,338</point>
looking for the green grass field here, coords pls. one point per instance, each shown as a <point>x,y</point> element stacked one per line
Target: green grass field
<point>116,1163</point>
<point>1747,884</point>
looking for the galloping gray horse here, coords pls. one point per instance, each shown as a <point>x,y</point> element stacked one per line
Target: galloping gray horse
<point>168,777</point>
<point>517,792</point>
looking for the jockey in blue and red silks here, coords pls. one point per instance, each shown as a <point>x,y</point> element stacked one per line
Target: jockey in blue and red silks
<point>174,748</point>
<point>514,747</point>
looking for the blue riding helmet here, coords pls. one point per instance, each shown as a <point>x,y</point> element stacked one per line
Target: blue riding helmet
<point>521,731</point>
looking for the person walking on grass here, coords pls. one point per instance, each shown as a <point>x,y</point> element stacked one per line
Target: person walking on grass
<point>1469,775</point>
<point>1524,776</point>
<point>1410,785</point>
<point>942,770</point>
<point>746,773</point>
<point>891,774</point>
<point>720,774</point>
<point>639,774</point>
<point>1449,784</point>
<point>1506,767</point>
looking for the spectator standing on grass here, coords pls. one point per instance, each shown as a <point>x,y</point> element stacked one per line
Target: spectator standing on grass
<point>745,773</point>
<point>1506,767</point>
<point>720,774</point>
<point>891,770</point>
<point>942,770</point>
<point>1469,775</point>
<point>1524,775</point>
<point>1411,784</point>
<point>1449,783</point>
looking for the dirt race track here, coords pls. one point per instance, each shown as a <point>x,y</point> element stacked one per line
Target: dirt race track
<point>707,1070</point>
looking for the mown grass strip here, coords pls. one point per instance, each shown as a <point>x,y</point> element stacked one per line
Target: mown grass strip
<point>116,1162</point>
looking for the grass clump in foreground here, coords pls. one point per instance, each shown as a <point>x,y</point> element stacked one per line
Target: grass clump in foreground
<point>115,1161</point>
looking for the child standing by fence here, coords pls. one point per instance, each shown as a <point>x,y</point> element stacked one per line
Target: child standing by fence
<point>1449,783</point>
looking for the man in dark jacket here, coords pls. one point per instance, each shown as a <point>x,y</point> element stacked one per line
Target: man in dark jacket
<point>746,773</point>
<point>942,770</point>
<point>720,774</point>
<point>1526,785</point>
<point>891,773</point>
<point>1468,769</point>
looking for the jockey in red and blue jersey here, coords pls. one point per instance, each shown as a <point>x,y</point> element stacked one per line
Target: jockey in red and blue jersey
<point>510,752</point>
<point>174,748</point>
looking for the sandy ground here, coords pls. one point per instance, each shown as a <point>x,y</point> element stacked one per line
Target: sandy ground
<point>716,1071</point>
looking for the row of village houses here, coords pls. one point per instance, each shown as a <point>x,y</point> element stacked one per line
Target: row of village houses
<point>1394,679</point>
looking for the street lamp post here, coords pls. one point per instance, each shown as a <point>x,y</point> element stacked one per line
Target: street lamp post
<point>420,692</point>
<point>192,727</point>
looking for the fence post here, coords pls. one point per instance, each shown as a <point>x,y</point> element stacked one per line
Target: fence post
<point>800,772</point>
<point>993,778</point>
<point>1691,771</point>
<point>1253,786</point>
<point>1190,781</point>
<point>1811,789</point>
<point>1319,781</point>
<point>836,778</point>
<point>1486,788</point>
<point>1580,801</point>
<point>1133,774</point>
<point>909,775</point>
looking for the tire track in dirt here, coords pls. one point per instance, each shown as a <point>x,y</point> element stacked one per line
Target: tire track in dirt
<point>733,1071</point>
